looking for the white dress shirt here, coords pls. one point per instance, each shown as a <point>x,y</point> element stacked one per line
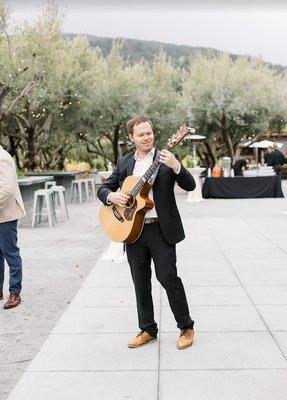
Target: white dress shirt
<point>140,167</point>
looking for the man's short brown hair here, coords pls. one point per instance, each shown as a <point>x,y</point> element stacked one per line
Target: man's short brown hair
<point>136,121</point>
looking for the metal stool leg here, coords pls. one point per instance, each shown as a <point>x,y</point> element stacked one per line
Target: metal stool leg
<point>79,185</point>
<point>66,206</point>
<point>49,209</point>
<point>93,188</point>
<point>54,200</point>
<point>87,190</point>
<point>62,205</point>
<point>72,192</point>
<point>34,210</point>
<point>39,209</point>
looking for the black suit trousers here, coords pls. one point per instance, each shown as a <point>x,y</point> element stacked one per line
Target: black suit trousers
<point>151,245</point>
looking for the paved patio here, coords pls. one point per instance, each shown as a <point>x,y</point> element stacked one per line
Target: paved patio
<point>234,267</point>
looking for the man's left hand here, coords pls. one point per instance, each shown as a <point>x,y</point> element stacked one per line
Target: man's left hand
<point>167,158</point>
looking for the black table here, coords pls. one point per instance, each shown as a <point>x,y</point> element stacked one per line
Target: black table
<point>240,187</point>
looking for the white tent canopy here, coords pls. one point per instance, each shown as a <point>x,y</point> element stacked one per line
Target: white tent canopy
<point>263,144</point>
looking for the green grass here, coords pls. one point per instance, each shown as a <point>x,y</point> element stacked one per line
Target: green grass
<point>21,175</point>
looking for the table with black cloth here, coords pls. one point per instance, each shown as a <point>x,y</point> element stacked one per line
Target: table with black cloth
<point>240,187</point>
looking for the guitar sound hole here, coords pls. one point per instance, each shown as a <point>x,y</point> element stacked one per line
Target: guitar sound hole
<point>131,201</point>
<point>130,211</point>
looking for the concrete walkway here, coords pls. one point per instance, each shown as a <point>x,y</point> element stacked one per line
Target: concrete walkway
<point>234,268</point>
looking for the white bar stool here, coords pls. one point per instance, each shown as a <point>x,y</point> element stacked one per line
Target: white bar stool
<point>76,190</point>
<point>44,197</point>
<point>92,186</point>
<point>89,187</point>
<point>59,194</point>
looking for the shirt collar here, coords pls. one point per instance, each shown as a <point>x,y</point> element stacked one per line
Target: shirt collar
<point>136,157</point>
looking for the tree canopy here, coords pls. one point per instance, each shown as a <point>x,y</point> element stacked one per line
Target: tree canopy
<point>61,98</point>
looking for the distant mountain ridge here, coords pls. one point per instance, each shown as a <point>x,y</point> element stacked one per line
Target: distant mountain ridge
<point>136,49</point>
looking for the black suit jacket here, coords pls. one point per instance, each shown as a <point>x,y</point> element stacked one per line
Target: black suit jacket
<point>163,193</point>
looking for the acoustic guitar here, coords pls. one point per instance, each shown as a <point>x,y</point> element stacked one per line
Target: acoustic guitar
<point>125,223</point>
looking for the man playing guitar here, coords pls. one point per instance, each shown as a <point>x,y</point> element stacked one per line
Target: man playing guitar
<point>161,231</point>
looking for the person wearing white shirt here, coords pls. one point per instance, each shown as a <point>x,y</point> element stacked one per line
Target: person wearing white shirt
<point>162,230</point>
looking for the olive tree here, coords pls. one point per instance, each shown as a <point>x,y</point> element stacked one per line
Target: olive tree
<point>230,100</point>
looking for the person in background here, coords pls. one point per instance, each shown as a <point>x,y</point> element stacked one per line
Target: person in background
<point>279,160</point>
<point>11,209</point>
<point>274,158</point>
<point>269,156</point>
<point>240,165</point>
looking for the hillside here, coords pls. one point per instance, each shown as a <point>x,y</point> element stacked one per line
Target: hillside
<point>135,49</point>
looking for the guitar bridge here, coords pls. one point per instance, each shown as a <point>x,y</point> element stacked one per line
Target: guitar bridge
<point>117,214</point>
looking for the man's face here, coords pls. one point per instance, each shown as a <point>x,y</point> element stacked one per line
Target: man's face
<point>269,149</point>
<point>143,137</point>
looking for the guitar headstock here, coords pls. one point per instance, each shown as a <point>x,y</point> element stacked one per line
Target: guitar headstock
<point>179,135</point>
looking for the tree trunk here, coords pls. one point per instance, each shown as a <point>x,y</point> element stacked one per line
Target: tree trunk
<point>30,156</point>
<point>226,137</point>
<point>237,153</point>
<point>210,154</point>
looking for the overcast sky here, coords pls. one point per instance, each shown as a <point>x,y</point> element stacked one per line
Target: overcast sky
<point>257,28</point>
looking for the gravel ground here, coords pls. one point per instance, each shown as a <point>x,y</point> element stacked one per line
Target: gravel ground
<point>55,263</point>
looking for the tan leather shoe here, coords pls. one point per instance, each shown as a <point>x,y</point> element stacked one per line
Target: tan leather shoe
<point>142,338</point>
<point>1,295</point>
<point>13,301</point>
<point>185,338</point>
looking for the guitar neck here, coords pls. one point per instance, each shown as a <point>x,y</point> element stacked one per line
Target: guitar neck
<point>146,176</point>
<point>172,142</point>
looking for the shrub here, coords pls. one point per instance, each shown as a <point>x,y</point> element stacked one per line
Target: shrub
<point>76,166</point>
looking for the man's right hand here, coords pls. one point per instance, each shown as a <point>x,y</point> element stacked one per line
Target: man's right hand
<point>118,198</point>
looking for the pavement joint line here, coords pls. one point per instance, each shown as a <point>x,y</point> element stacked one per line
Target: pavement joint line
<point>254,258</point>
<point>194,305</point>
<point>247,293</point>
<point>179,269</point>
<point>127,287</point>
<point>275,284</point>
<point>155,370</point>
<point>259,269</point>
<point>162,331</point>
